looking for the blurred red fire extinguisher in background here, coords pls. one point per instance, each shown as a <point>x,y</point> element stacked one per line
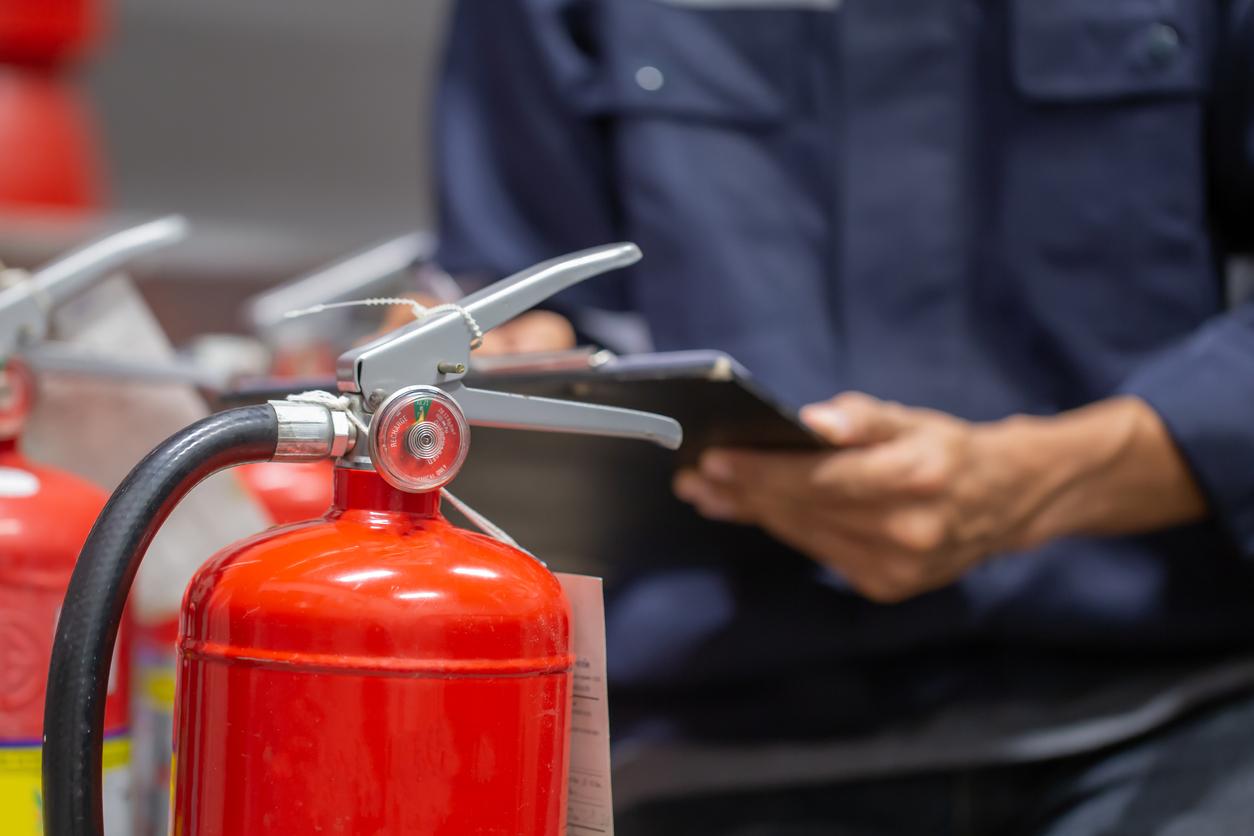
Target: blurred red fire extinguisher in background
<point>48,148</point>
<point>373,671</point>
<point>45,516</point>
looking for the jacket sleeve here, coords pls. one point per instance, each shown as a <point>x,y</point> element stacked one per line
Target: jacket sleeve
<point>521,169</point>
<point>1203,388</point>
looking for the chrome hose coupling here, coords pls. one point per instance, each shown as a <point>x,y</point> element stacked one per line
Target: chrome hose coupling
<point>312,431</point>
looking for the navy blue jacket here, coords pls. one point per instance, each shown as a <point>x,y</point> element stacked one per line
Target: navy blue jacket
<point>984,206</point>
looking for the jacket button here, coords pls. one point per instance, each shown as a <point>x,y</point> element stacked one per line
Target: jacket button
<point>649,78</point>
<point>1162,44</point>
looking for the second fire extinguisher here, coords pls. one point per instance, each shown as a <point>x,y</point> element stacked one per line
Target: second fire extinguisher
<point>45,516</point>
<point>373,671</point>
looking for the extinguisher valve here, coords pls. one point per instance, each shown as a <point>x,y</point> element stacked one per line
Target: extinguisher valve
<point>421,368</point>
<point>311,431</point>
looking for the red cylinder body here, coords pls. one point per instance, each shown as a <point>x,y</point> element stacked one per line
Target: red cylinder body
<point>377,671</point>
<point>47,31</point>
<point>45,515</point>
<point>47,144</point>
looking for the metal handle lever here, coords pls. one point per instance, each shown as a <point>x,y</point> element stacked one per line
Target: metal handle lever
<point>67,276</point>
<point>502,301</point>
<point>25,305</point>
<point>424,351</point>
<point>522,412</point>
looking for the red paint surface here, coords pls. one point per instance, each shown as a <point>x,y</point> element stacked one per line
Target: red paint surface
<point>47,144</point>
<point>290,491</point>
<point>378,671</point>
<point>46,31</point>
<point>41,534</point>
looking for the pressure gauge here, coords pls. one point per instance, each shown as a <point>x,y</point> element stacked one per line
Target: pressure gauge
<point>419,439</point>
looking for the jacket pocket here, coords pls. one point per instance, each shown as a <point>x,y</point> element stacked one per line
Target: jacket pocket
<point>721,62</point>
<point>1076,50</point>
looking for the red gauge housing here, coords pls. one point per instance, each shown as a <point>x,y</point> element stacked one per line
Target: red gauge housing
<point>374,671</point>
<point>419,439</point>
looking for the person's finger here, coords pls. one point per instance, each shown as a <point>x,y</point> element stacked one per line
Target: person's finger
<point>872,564</point>
<point>847,555</point>
<point>542,331</point>
<point>855,419</point>
<point>853,475</point>
<point>534,331</point>
<point>786,474</point>
<point>713,501</point>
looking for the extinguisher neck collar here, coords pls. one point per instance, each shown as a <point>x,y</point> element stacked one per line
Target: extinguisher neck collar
<point>365,490</point>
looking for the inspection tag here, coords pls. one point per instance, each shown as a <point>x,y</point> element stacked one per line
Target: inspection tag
<point>589,807</point>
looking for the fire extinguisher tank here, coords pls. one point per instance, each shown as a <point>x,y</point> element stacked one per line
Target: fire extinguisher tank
<point>46,514</point>
<point>376,671</point>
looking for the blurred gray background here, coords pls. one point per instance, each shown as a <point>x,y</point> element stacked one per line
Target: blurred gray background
<point>289,131</point>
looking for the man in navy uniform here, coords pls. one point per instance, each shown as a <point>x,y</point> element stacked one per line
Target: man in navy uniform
<point>985,242</point>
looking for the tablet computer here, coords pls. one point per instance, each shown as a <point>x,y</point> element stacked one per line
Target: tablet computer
<point>604,505</point>
<point>708,392</point>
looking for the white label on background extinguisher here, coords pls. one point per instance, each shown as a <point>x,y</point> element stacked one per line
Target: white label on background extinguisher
<point>18,483</point>
<point>589,806</point>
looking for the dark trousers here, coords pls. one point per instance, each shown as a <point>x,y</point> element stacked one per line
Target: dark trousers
<point>1194,777</point>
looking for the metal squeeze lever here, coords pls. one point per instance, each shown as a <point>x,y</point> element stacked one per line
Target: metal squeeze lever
<point>26,305</point>
<point>410,381</point>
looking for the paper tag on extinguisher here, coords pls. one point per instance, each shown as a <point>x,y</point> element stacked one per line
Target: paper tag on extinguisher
<point>589,806</point>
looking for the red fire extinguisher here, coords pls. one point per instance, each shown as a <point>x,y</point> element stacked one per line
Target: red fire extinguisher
<point>48,144</point>
<point>375,671</point>
<point>48,148</point>
<point>45,516</point>
<point>46,32</point>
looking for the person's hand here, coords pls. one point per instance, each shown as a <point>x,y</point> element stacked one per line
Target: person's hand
<point>913,498</point>
<point>531,332</point>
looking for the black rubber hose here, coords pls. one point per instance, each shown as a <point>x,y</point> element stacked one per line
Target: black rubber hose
<point>79,673</point>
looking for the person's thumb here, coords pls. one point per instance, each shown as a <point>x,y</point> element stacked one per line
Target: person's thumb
<point>855,419</point>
